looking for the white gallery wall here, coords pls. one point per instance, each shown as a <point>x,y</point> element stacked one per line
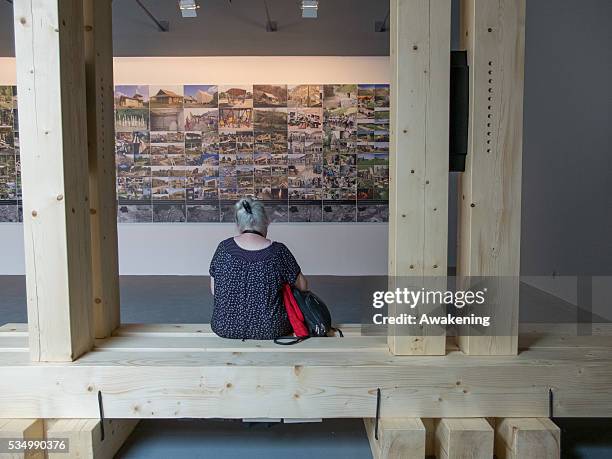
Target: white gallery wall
<point>342,249</point>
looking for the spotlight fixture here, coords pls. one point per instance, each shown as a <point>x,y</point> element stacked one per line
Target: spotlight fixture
<point>188,8</point>
<point>310,9</point>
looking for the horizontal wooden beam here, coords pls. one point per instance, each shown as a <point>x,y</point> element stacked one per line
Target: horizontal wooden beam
<point>154,377</point>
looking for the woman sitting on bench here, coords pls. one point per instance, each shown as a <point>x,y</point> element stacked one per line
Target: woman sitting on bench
<point>247,273</point>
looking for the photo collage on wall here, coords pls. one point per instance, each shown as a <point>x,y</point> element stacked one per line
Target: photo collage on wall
<point>10,174</point>
<point>313,153</point>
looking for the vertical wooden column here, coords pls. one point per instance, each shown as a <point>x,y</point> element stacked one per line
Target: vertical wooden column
<point>418,220</point>
<point>102,177</point>
<point>527,438</point>
<point>493,33</point>
<point>397,438</point>
<point>51,84</point>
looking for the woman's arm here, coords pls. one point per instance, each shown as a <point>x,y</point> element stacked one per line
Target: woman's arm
<point>301,283</point>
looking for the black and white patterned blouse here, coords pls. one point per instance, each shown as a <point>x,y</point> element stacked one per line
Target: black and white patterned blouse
<point>248,297</point>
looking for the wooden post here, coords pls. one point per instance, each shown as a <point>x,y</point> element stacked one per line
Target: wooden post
<point>397,438</point>
<point>463,437</point>
<point>527,438</point>
<point>51,83</point>
<point>85,436</point>
<point>418,221</point>
<point>102,180</point>
<point>493,33</point>
<point>23,430</point>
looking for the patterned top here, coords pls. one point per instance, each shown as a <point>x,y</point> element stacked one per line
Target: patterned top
<point>248,297</point>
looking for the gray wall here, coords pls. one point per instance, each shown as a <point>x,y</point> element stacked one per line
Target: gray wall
<point>567,159</point>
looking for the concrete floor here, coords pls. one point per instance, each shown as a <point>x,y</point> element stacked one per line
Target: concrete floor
<point>146,300</point>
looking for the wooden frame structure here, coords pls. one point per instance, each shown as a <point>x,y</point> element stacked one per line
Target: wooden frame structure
<point>73,353</point>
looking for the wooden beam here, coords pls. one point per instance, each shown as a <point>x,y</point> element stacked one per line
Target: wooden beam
<point>85,437</point>
<point>418,221</point>
<point>463,437</point>
<point>22,429</point>
<point>51,84</point>
<point>314,382</point>
<point>493,33</point>
<point>102,177</point>
<point>527,438</point>
<point>397,438</point>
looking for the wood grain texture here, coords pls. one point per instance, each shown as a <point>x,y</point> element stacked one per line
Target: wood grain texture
<point>493,33</point>
<point>175,383</point>
<point>102,177</point>
<point>84,436</point>
<point>51,84</point>
<point>527,438</point>
<point>22,429</point>
<point>418,221</point>
<point>398,438</point>
<point>458,438</point>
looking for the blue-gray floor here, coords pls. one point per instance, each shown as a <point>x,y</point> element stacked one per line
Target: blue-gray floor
<point>173,299</point>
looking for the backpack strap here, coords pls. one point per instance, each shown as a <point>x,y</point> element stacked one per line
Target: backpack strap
<point>290,340</point>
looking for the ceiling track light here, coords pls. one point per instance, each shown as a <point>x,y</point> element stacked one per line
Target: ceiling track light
<point>189,8</point>
<point>310,9</point>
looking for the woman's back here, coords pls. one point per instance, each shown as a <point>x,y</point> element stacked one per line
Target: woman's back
<point>247,289</point>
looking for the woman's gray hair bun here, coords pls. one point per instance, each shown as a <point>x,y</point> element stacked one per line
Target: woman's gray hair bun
<point>250,214</point>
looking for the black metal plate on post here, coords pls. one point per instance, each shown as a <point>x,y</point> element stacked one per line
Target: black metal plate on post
<point>459,110</point>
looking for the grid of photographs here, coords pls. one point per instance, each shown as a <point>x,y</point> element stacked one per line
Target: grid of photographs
<point>10,173</point>
<point>313,153</point>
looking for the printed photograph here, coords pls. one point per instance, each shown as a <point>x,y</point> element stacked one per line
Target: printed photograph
<point>372,213</point>
<point>201,96</point>
<point>134,188</point>
<point>341,119</point>
<point>131,96</point>
<point>297,96</point>
<point>270,119</point>
<point>134,213</point>
<point>236,96</point>
<point>168,188</point>
<point>131,119</point>
<point>169,213</point>
<point>305,212</point>
<point>382,95</point>
<point>167,119</point>
<point>7,141</point>
<point>207,213</point>
<point>339,213</point>
<point>9,213</point>
<point>305,118</point>
<point>235,119</point>
<point>201,119</point>
<point>267,95</point>
<point>167,137</point>
<point>366,101</point>
<point>6,118</point>
<point>6,97</point>
<point>339,96</point>
<point>278,213</point>
<point>372,159</point>
<point>210,142</point>
<point>165,96</point>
